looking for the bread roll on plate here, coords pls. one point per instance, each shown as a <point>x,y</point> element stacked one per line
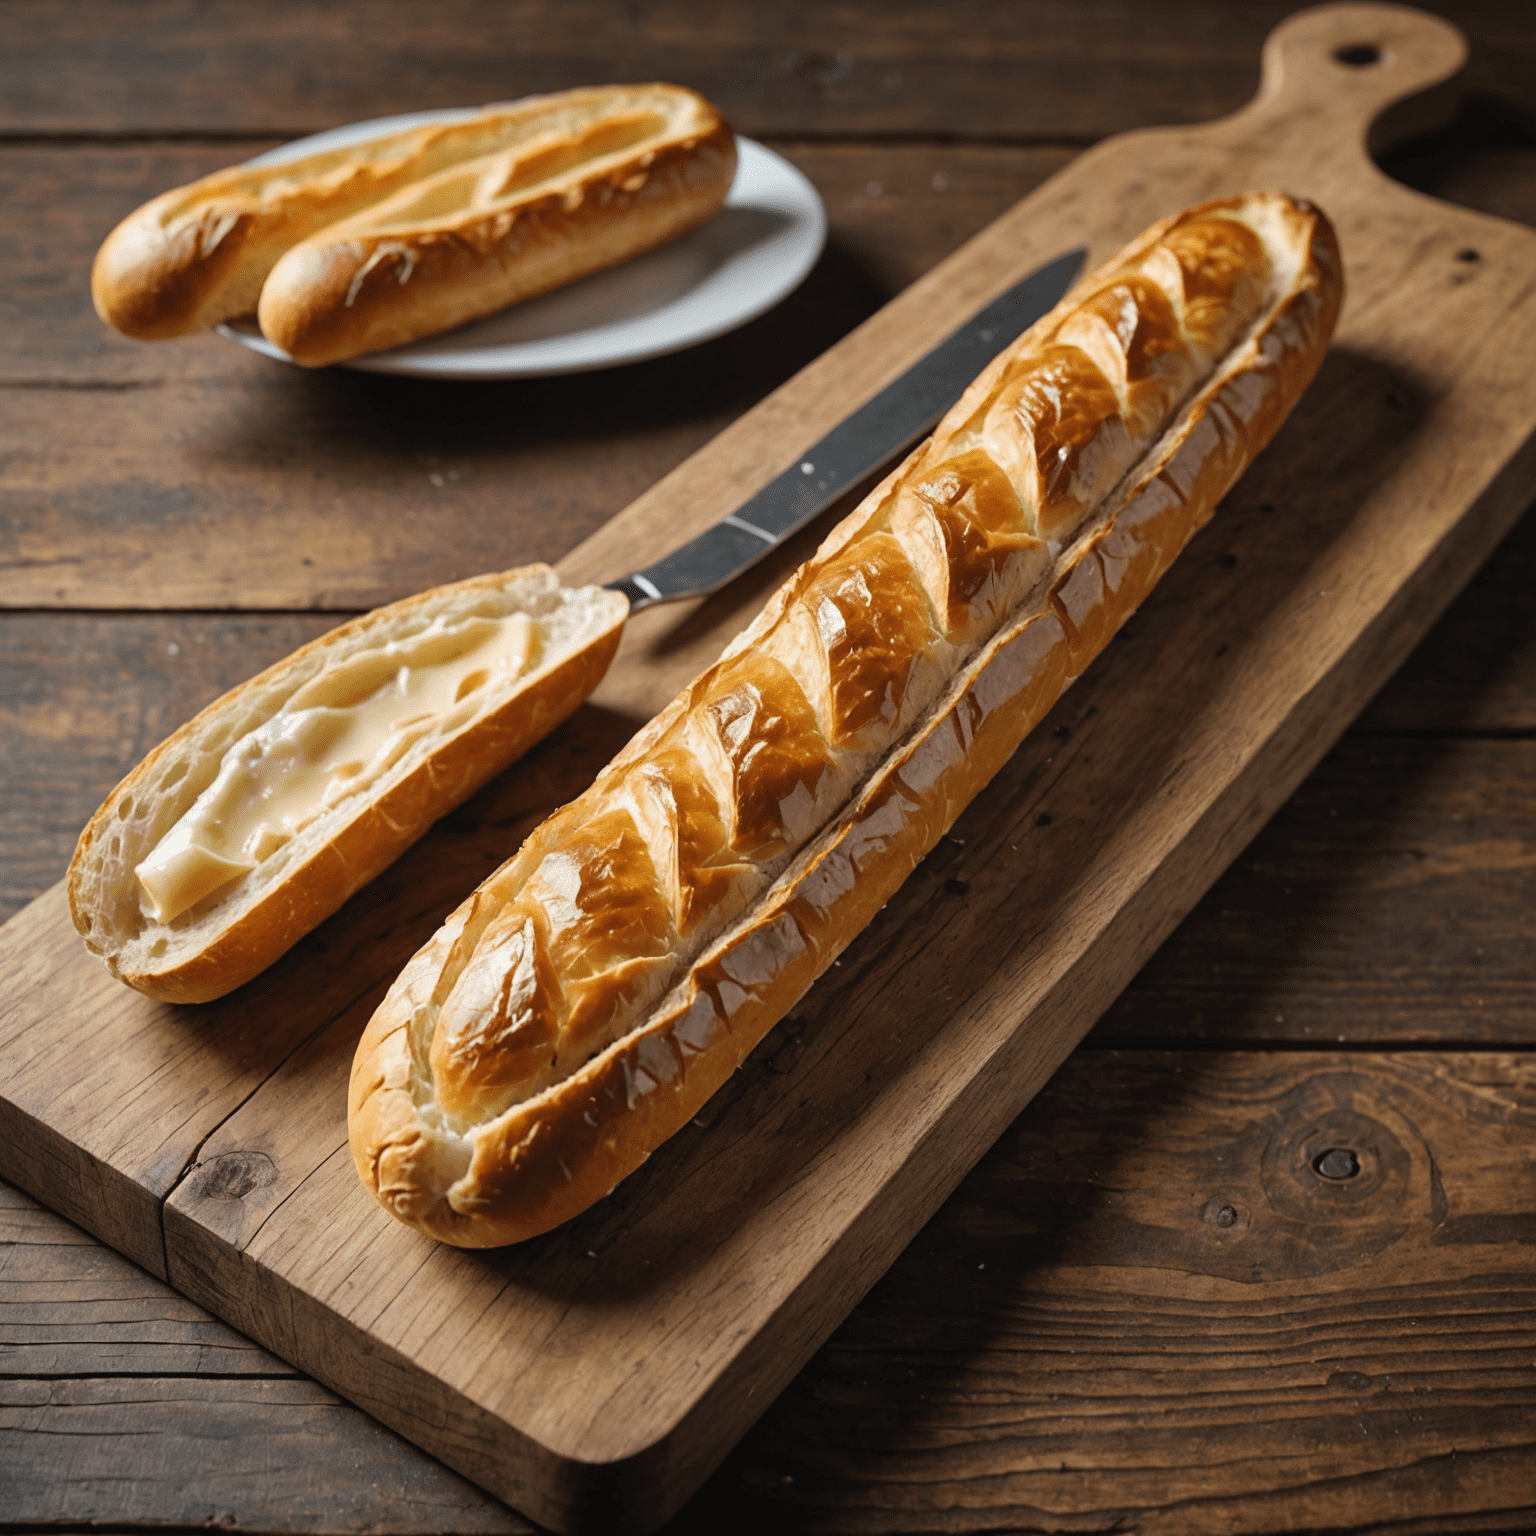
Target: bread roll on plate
<point>607,169</point>
<point>584,1003</point>
<point>608,174</point>
<point>258,818</point>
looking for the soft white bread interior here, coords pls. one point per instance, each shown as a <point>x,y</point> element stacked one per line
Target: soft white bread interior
<point>258,818</point>
<point>596,177</point>
<point>198,255</point>
<point>588,998</point>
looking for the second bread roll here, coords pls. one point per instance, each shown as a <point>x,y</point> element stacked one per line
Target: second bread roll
<point>597,177</point>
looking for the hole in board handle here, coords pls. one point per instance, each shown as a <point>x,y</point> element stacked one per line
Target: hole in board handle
<point>1358,55</point>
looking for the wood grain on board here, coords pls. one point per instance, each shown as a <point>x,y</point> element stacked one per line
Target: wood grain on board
<point>1402,422</point>
<point>1392,375</point>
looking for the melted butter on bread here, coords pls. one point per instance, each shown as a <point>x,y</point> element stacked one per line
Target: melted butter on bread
<point>335,737</point>
<point>493,664</point>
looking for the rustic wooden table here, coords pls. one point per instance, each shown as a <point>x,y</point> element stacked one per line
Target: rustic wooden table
<point>1054,1352</point>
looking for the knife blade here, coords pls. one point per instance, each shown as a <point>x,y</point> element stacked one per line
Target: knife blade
<point>888,424</point>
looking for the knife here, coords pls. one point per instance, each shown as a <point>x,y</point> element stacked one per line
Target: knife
<point>890,423</point>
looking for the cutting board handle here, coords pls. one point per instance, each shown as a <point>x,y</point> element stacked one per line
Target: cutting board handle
<point>1335,70</point>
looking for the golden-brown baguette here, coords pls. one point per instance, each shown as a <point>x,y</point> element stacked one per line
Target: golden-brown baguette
<point>199,254</point>
<point>258,818</point>
<point>609,173</point>
<point>589,997</point>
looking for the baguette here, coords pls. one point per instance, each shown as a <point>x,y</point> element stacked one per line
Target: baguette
<point>583,1004</point>
<point>258,818</point>
<point>608,174</point>
<point>200,254</point>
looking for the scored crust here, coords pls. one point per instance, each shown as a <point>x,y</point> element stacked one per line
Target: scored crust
<point>594,188</point>
<point>227,938</point>
<point>531,1055</point>
<point>198,255</point>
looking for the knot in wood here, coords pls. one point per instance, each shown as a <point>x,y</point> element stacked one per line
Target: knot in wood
<point>233,1175</point>
<point>1344,1174</point>
<point>1336,1163</point>
<point>1226,1215</point>
<point>1350,1381</point>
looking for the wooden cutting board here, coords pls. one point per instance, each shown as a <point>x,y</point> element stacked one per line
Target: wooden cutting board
<point>593,1377</point>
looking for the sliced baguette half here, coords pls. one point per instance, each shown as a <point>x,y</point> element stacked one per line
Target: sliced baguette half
<point>566,638</point>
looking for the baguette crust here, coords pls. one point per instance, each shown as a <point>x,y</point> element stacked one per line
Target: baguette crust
<point>611,173</point>
<point>200,254</point>
<point>594,992</point>
<point>231,935</point>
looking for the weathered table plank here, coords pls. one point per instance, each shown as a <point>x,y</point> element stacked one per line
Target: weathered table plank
<point>1144,1310</point>
<point>141,1449</point>
<point>1476,671</point>
<point>336,490</point>
<point>1420,836</point>
<point>171,1417</point>
<point>239,501</point>
<point>1144,1305</point>
<point>71,1307</point>
<point>978,68</point>
<point>84,696</point>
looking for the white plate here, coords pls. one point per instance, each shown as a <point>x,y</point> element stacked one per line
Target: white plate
<point>753,253</point>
